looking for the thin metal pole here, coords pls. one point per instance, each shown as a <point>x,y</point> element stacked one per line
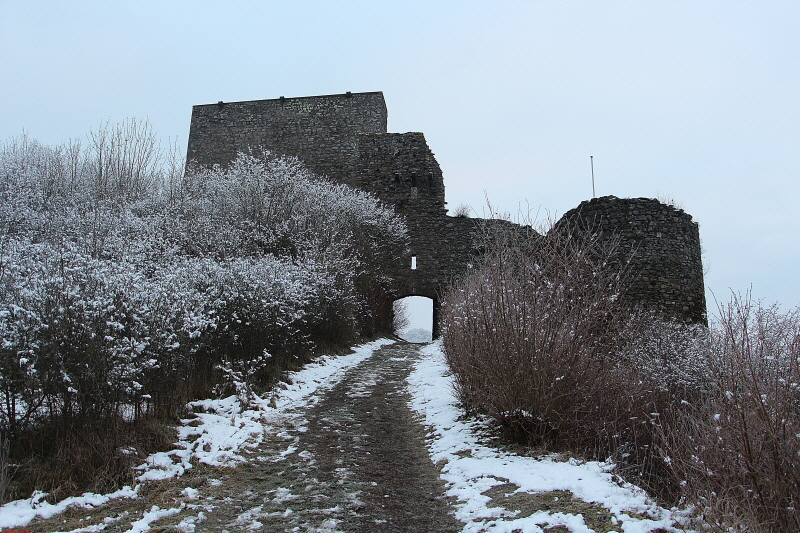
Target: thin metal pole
<point>591,161</point>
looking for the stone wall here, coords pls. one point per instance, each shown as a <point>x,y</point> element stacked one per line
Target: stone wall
<point>322,131</point>
<point>663,246</point>
<point>402,171</point>
<point>344,137</point>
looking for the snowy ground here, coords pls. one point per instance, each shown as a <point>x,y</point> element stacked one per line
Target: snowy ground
<point>493,490</point>
<point>472,470</point>
<point>415,335</point>
<point>218,436</point>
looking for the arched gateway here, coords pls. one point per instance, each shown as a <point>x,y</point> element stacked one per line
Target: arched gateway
<point>344,137</point>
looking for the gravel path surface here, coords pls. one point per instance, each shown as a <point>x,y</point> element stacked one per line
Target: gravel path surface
<point>355,461</point>
<point>365,434</point>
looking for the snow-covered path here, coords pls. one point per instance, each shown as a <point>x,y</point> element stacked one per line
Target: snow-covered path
<point>355,461</point>
<point>372,441</point>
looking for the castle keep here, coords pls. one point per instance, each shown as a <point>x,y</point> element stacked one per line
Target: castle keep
<point>345,137</point>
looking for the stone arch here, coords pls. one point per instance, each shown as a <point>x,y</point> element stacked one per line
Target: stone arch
<point>424,292</point>
<point>419,307</point>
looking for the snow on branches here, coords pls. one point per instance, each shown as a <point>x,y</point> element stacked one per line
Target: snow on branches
<point>126,286</point>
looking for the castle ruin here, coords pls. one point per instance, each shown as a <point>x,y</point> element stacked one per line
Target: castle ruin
<point>345,138</point>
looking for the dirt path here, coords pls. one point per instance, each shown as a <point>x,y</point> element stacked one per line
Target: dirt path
<point>365,428</point>
<point>353,462</point>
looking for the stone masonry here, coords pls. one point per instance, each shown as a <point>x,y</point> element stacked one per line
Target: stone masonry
<point>344,137</point>
<point>662,246</point>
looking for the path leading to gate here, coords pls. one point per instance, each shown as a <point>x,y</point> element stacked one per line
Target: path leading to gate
<point>363,432</point>
<point>355,461</point>
<point>340,450</point>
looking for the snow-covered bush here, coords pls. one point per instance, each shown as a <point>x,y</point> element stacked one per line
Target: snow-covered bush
<point>128,288</point>
<point>77,335</point>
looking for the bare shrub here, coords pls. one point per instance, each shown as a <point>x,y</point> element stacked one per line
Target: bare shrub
<point>462,211</point>
<point>401,319</point>
<point>667,199</point>
<point>529,336</point>
<point>97,455</point>
<point>538,340</point>
<point>5,466</point>
<point>125,160</point>
<point>711,417</point>
<point>735,450</point>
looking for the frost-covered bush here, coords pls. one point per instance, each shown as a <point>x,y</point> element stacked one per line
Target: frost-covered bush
<point>671,355</point>
<point>665,361</point>
<point>70,335</point>
<point>264,205</point>
<point>127,287</point>
<point>275,205</point>
<point>735,449</point>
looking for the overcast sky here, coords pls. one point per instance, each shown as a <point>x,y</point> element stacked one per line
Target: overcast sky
<point>696,101</point>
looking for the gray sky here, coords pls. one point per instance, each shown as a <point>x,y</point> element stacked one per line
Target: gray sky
<point>697,101</point>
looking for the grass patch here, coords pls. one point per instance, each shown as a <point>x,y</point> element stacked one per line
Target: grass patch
<point>67,459</point>
<point>525,504</point>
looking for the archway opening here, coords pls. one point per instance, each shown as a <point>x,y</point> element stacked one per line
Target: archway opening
<point>414,318</point>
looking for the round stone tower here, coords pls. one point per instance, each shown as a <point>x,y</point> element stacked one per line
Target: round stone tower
<point>662,244</point>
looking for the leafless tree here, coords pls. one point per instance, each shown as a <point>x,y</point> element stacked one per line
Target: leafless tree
<point>125,159</point>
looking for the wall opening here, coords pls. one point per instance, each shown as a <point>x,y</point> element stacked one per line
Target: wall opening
<point>414,318</point>
<point>413,262</point>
